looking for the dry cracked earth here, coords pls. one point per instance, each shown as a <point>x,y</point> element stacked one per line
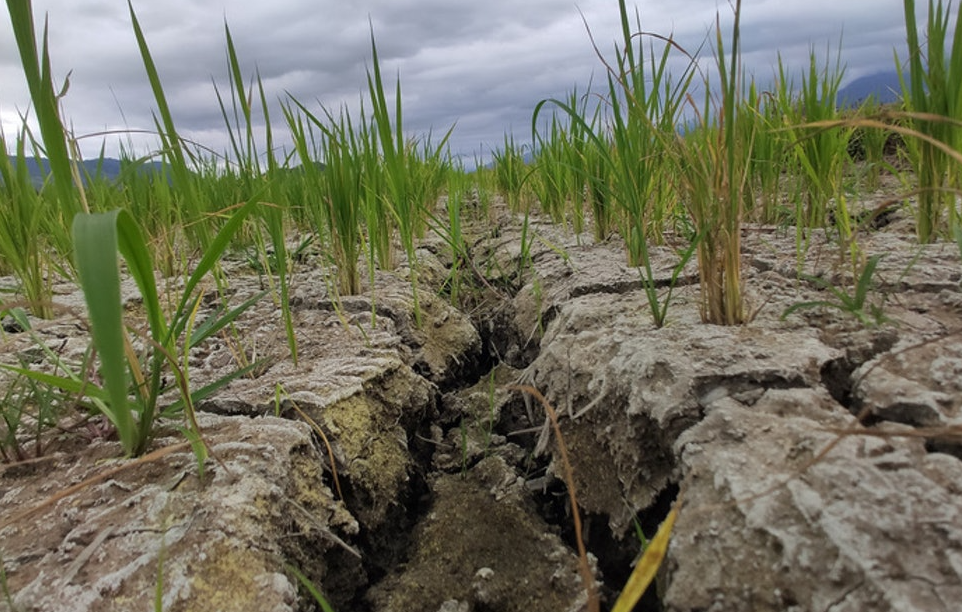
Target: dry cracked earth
<point>397,467</point>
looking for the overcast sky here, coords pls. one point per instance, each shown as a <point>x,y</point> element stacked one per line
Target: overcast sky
<point>481,64</point>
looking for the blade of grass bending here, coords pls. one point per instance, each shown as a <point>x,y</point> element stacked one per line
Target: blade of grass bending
<point>74,386</point>
<point>171,141</point>
<point>98,270</point>
<point>220,319</point>
<point>173,148</point>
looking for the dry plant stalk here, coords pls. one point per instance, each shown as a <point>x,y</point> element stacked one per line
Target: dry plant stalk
<point>330,451</point>
<point>126,465</point>
<point>586,574</point>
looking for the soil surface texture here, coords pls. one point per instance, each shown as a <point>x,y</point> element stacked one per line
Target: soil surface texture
<point>816,457</point>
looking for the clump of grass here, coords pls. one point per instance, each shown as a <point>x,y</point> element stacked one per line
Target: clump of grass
<point>26,221</point>
<point>405,172</point>
<point>188,205</point>
<point>373,184</point>
<point>449,228</point>
<point>511,173</point>
<point>336,202</point>
<point>275,213</point>
<point>855,304</point>
<point>933,97</point>
<point>712,164</point>
<point>763,193</point>
<point>819,155</point>
<point>552,171</point>
<point>98,238</point>
<point>622,159</point>
<point>30,409</point>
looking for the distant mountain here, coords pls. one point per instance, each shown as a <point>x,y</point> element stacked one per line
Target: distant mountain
<point>107,168</point>
<point>883,85</point>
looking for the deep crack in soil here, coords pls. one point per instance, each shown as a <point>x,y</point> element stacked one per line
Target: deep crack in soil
<point>453,495</point>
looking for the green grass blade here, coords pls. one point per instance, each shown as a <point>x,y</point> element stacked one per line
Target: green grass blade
<point>45,101</point>
<point>211,256</point>
<point>307,584</point>
<point>75,386</point>
<point>864,284</point>
<point>98,269</point>
<point>189,207</point>
<point>219,320</point>
<point>172,142</point>
<point>133,247</point>
<point>206,391</point>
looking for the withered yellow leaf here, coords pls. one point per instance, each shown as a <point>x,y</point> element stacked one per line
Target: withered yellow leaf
<point>647,567</point>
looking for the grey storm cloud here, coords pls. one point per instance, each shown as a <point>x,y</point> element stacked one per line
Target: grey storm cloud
<point>481,65</point>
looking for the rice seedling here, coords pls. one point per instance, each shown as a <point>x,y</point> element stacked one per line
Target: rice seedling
<point>273,213</point>
<point>342,182</point>
<point>567,169</point>
<point>820,155</point>
<point>483,188</point>
<point>712,164</point>
<point>379,221</point>
<point>933,97</point>
<point>131,388</point>
<point>12,416</point>
<point>641,129</point>
<point>398,159</point>
<point>30,409</point>
<point>189,203</point>
<point>449,228</point>
<point>587,172</point>
<point>552,172</point>
<point>511,173</point>
<point>760,117</point>
<point>643,104</point>
<point>854,304</point>
<point>596,193</point>
<point>24,223</point>
<point>869,146</point>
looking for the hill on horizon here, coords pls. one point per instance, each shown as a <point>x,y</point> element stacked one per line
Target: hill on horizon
<point>108,168</point>
<point>884,86</point>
